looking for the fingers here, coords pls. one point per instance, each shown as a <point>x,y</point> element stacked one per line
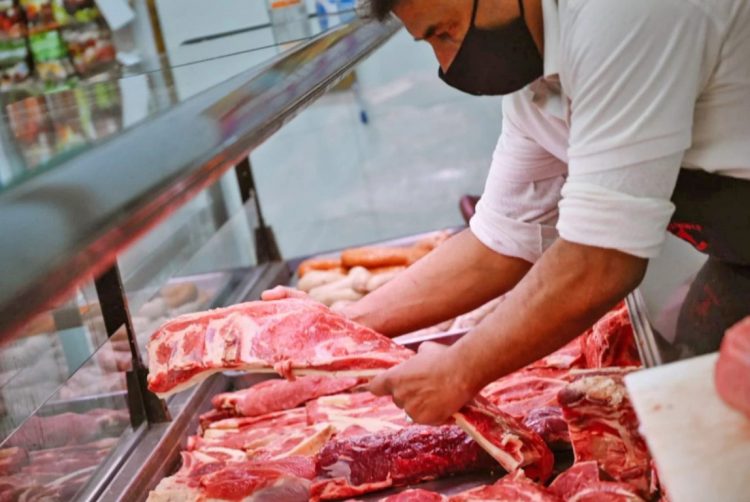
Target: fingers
<point>277,293</point>
<point>380,385</point>
<point>281,293</point>
<point>431,348</point>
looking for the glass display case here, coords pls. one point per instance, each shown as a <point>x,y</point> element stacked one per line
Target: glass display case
<point>111,237</point>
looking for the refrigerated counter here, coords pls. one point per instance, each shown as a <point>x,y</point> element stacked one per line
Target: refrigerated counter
<point>76,308</point>
<point>110,237</point>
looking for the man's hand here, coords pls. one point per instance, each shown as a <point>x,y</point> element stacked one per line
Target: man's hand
<point>430,386</point>
<point>281,293</point>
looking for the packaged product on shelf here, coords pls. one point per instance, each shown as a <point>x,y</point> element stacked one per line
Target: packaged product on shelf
<point>51,61</point>
<point>40,15</point>
<point>69,115</point>
<point>90,47</point>
<point>106,109</point>
<point>75,11</point>
<point>31,126</point>
<point>12,22</point>
<point>14,63</point>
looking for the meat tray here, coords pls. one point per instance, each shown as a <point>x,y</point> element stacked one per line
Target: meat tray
<point>157,454</point>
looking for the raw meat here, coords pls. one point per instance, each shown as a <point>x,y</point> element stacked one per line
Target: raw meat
<point>276,395</point>
<point>12,460</point>
<point>415,495</point>
<point>611,342</point>
<point>55,474</point>
<point>604,427</point>
<point>68,429</point>
<point>206,419</point>
<point>226,476</point>
<point>296,417</point>
<point>356,414</point>
<point>510,442</point>
<point>512,488</point>
<point>732,376</point>
<point>583,483</point>
<point>291,336</point>
<point>360,464</point>
<point>530,395</point>
<point>276,436</point>
<point>568,357</point>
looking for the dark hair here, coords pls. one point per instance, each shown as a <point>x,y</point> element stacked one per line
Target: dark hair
<point>380,9</point>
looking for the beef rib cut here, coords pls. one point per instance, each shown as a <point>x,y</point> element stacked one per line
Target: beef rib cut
<point>530,395</point>
<point>227,475</point>
<point>584,482</point>
<point>604,427</point>
<point>611,342</point>
<point>511,443</point>
<point>277,395</point>
<point>281,435</point>
<point>291,336</point>
<point>357,414</point>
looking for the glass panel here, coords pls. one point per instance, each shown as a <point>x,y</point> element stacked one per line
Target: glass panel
<point>53,347</point>
<point>40,126</point>
<point>190,262</point>
<point>55,452</point>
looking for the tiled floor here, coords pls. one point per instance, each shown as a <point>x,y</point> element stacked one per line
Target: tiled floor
<point>326,180</point>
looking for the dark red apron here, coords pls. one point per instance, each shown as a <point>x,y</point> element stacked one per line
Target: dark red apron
<point>713,215</point>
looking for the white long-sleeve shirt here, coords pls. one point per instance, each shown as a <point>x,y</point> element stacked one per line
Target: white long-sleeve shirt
<point>632,91</point>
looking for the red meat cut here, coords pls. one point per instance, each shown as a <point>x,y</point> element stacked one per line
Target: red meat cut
<point>568,357</point>
<point>604,427</point>
<point>514,487</point>
<point>611,341</point>
<point>355,465</point>
<point>732,376</point>
<point>273,436</point>
<point>530,395</point>
<point>69,429</point>
<point>357,414</point>
<point>228,475</point>
<point>511,443</point>
<point>277,395</point>
<point>12,460</point>
<point>415,495</point>
<point>584,482</point>
<point>291,336</point>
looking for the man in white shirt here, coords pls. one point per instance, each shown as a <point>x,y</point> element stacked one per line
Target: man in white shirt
<point>614,110</point>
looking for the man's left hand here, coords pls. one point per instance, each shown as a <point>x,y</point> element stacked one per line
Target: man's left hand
<point>430,386</point>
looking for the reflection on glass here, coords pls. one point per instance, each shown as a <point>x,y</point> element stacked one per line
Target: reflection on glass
<point>50,125</point>
<point>55,451</point>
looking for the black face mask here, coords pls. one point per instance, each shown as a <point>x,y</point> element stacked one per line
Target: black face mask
<point>495,61</point>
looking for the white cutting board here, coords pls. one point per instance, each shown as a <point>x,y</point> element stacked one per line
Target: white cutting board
<point>701,446</point>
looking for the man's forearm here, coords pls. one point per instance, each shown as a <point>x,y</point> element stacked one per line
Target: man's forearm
<point>455,278</point>
<point>568,290</point>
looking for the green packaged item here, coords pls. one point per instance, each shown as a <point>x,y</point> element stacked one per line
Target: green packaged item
<point>75,11</point>
<point>47,46</point>
<point>50,56</point>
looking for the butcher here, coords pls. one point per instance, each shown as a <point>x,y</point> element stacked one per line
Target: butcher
<point>621,121</point>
